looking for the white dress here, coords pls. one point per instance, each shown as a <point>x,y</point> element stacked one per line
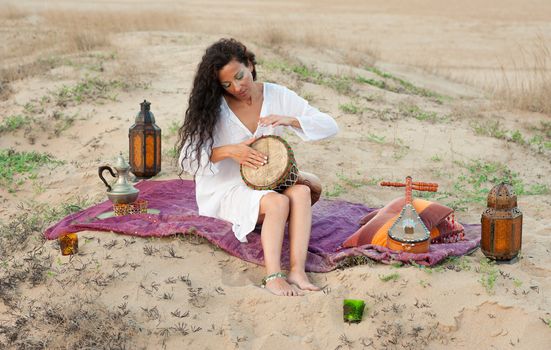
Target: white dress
<point>220,190</point>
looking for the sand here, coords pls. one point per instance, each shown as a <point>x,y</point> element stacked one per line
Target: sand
<point>181,292</point>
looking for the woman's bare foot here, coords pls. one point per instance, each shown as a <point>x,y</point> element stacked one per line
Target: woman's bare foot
<point>279,286</point>
<point>300,279</point>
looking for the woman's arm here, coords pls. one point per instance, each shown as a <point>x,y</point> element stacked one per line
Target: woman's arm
<point>242,153</point>
<point>307,121</point>
<point>276,120</point>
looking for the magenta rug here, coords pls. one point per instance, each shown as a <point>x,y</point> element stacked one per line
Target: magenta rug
<point>333,221</point>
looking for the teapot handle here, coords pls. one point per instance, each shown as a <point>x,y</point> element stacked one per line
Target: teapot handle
<point>101,169</point>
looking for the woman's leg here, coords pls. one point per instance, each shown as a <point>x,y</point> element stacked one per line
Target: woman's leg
<point>274,211</point>
<point>300,223</point>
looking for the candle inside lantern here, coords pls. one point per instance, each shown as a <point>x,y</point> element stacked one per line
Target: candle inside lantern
<point>353,310</point>
<point>68,244</point>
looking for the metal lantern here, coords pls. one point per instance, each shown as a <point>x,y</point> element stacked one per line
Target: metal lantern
<point>145,144</point>
<point>501,224</point>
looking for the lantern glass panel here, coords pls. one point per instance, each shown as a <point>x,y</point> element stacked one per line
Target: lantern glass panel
<point>158,137</point>
<point>137,161</point>
<point>149,151</point>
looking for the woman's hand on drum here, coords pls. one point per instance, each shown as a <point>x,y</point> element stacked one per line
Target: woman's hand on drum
<point>247,156</point>
<point>276,120</point>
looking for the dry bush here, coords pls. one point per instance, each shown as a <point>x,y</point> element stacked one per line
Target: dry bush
<point>313,37</point>
<point>11,12</point>
<point>461,110</point>
<point>521,83</point>
<point>133,74</point>
<point>69,31</point>
<point>80,30</point>
<point>31,220</point>
<point>529,89</point>
<point>30,270</point>
<point>274,35</point>
<point>360,54</point>
<point>104,23</point>
<point>32,50</point>
<point>20,71</point>
<point>15,234</point>
<point>22,231</point>
<point>23,70</point>
<point>28,41</point>
<point>75,323</point>
<point>279,35</point>
<point>86,40</point>
<point>5,90</point>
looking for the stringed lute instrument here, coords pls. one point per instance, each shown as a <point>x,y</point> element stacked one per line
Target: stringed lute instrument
<point>409,233</point>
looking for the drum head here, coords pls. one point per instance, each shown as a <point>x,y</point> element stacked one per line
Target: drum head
<point>278,164</point>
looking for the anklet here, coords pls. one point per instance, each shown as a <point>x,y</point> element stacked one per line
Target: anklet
<point>272,277</point>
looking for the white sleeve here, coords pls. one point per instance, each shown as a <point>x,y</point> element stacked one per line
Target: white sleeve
<point>314,125</point>
<point>190,164</point>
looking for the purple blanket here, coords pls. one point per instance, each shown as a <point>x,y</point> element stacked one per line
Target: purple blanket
<point>333,221</point>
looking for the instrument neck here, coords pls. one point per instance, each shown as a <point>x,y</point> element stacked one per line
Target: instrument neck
<point>408,190</point>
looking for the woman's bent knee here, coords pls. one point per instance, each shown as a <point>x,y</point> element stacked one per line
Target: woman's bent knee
<point>299,192</point>
<point>274,203</point>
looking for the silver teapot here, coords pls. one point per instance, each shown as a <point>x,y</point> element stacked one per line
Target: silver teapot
<point>122,191</point>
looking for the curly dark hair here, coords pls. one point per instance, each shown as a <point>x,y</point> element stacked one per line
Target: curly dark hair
<point>204,100</point>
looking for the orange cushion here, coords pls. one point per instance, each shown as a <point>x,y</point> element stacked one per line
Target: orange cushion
<point>376,224</point>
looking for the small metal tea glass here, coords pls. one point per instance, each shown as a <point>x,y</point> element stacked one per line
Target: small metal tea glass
<point>353,310</point>
<point>68,244</point>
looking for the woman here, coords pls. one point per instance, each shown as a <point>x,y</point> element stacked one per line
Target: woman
<point>227,110</point>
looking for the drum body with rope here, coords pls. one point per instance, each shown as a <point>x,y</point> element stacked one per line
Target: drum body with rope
<point>281,171</point>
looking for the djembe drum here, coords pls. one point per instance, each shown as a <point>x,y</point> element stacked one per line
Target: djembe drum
<point>281,171</point>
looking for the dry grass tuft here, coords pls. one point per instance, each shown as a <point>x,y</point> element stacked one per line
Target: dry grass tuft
<point>5,90</point>
<point>65,32</point>
<point>24,233</point>
<point>278,35</point>
<point>69,31</point>
<point>528,89</point>
<point>11,12</point>
<point>84,40</point>
<point>110,22</point>
<point>27,226</point>
<point>80,30</point>
<point>360,55</point>
<point>77,323</point>
<point>21,71</point>
<point>274,35</point>
<point>311,38</point>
